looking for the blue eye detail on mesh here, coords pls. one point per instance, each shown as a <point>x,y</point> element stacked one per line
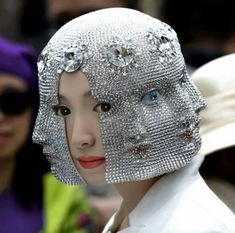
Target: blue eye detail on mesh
<point>151,97</point>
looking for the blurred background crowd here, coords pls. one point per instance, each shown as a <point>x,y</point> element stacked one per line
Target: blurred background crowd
<point>205,28</point>
<point>31,200</point>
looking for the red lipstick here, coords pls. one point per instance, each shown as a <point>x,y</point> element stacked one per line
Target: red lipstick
<point>90,162</point>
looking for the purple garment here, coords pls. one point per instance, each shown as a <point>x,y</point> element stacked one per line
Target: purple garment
<point>14,219</point>
<point>19,60</point>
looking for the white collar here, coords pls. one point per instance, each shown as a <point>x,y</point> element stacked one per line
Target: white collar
<point>163,191</point>
<point>160,193</point>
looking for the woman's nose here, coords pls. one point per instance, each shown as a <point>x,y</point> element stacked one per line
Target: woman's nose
<point>82,134</point>
<point>84,141</point>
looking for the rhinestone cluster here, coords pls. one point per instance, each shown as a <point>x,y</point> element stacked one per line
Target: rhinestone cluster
<point>120,56</point>
<point>44,60</point>
<point>162,43</point>
<point>74,57</point>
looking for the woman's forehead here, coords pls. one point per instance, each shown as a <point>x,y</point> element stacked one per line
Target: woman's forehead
<point>74,82</point>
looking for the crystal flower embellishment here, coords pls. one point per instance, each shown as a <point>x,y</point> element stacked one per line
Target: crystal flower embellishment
<point>162,43</point>
<point>73,58</point>
<point>43,60</point>
<point>120,55</point>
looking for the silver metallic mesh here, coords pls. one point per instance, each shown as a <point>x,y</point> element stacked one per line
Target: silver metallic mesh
<point>124,54</point>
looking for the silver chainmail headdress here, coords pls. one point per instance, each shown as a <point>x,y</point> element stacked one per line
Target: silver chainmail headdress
<point>133,62</point>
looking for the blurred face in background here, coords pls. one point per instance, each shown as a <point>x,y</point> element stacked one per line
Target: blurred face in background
<point>61,11</point>
<point>15,115</point>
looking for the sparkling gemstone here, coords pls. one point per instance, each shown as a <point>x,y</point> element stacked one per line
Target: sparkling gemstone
<point>162,43</point>
<point>41,63</point>
<point>165,47</point>
<point>73,58</point>
<point>119,55</point>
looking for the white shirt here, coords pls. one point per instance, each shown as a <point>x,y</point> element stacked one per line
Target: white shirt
<point>180,202</point>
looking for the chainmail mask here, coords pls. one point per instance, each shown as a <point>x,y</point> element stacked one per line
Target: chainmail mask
<point>133,62</point>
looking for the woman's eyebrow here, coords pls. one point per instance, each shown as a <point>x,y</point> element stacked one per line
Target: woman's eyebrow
<point>86,94</point>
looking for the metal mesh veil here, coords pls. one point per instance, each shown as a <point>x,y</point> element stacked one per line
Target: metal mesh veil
<point>134,62</point>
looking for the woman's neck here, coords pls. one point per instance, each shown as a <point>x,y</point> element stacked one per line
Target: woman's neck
<point>7,167</point>
<point>132,192</point>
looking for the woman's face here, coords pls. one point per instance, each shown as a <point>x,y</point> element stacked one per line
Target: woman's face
<point>14,127</point>
<point>81,114</point>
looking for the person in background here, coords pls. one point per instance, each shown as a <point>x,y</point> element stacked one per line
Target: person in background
<point>118,106</point>
<point>21,162</point>
<point>216,81</point>
<point>27,189</point>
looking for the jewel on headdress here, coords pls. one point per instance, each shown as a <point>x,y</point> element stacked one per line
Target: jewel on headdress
<point>43,60</point>
<point>162,43</point>
<point>73,58</point>
<point>120,55</point>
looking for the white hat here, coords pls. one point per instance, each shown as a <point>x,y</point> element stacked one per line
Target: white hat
<point>216,81</point>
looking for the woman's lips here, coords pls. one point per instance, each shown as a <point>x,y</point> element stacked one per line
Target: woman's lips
<point>90,162</point>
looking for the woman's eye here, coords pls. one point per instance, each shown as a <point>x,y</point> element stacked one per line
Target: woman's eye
<point>151,97</point>
<point>61,111</point>
<point>183,81</point>
<point>102,107</point>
